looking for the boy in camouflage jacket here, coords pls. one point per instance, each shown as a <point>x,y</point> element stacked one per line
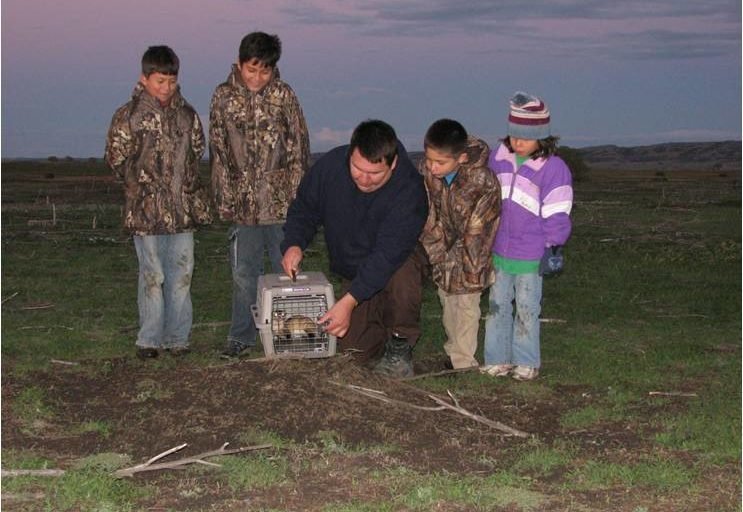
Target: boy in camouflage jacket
<point>464,207</point>
<point>154,146</point>
<point>259,150</point>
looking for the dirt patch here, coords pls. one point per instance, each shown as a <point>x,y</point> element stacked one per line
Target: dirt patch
<point>149,408</point>
<point>303,401</point>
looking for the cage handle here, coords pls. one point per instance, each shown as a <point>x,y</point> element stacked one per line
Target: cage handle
<point>295,277</point>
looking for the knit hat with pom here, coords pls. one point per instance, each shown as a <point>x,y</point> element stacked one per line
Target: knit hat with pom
<point>529,117</point>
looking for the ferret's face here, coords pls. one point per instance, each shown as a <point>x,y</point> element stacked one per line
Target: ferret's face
<point>300,323</point>
<point>296,326</point>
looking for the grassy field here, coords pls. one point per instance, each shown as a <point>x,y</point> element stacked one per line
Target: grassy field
<point>638,407</point>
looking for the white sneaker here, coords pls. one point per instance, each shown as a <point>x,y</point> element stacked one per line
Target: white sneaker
<point>525,373</point>
<point>496,370</point>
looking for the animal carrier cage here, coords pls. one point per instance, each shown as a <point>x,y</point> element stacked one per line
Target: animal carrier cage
<point>287,311</point>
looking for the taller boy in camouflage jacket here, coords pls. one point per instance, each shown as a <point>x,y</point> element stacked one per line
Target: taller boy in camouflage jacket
<point>154,146</point>
<point>259,150</point>
<point>464,206</point>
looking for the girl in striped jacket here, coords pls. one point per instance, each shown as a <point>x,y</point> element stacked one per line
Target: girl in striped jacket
<point>537,196</point>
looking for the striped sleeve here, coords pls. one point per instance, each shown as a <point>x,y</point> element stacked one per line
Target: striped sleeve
<point>559,200</point>
<point>557,203</point>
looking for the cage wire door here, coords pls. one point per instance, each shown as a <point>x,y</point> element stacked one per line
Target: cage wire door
<point>287,315</point>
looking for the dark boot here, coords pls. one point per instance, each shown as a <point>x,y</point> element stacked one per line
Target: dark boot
<point>234,348</point>
<point>397,361</point>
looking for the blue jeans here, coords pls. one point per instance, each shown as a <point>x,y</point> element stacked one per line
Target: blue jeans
<point>508,341</point>
<point>164,291</point>
<point>247,246</point>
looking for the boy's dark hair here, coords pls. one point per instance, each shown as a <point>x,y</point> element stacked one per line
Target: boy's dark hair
<point>263,47</point>
<point>446,135</point>
<point>375,140</point>
<point>160,59</point>
<point>547,146</point>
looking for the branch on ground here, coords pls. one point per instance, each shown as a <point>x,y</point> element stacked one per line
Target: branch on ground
<point>150,464</point>
<point>196,459</point>
<point>380,395</point>
<point>671,393</point>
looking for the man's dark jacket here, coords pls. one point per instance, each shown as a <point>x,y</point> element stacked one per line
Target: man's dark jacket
<point>368,235</point>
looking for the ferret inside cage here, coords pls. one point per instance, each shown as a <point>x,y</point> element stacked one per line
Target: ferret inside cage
<point>290,326</point>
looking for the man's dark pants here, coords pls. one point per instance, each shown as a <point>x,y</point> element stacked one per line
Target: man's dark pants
<point>394,309</point>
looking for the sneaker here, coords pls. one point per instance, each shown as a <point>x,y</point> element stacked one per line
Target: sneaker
<point>497,370</point>
<point>525,373</point>
<point>147,353</point>
<point>397,361</point>
<point>235,349</point>
<point>179,351</point>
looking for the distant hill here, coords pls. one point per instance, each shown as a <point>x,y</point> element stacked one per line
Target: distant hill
<point>697,156</point>
<point>713,156</point>
<point>669,156</point>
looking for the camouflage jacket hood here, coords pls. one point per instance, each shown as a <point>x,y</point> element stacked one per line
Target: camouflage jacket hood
<point>156,150</point>
<point>259,150</point>
<point>461,224</point>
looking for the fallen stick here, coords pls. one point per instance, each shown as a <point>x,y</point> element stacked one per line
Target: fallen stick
<point>60,361</point>
<point>196,459</point>
<point>6,299</point>
<point>671,393</point>
<point>379,395</point>
<point>482,419</point>
<point>477,417</point>
<point>32,307</point>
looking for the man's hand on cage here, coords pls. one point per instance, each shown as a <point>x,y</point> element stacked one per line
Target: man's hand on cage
<point>338,319</point>
<point>292,260</point>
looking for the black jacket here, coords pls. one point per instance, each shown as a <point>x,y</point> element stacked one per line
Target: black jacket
<point>368,235</point>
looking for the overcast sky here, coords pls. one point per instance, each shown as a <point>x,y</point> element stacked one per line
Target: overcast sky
<point>630,72</point>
